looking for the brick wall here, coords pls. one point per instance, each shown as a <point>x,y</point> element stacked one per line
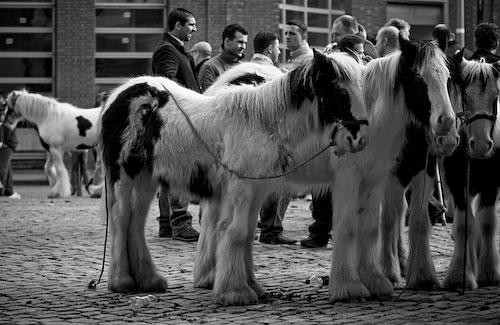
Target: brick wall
<point>371,14</point>
<point>74,52</point>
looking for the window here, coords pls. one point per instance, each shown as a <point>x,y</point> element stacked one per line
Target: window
<point>126,33</point>
<point>27,46</point>
<point>318,15</point>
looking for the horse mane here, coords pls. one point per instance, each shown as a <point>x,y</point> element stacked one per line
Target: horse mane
<point>478,71</point>
<point>391,66</point>
<point>268,102</point>
<point>37,107</point>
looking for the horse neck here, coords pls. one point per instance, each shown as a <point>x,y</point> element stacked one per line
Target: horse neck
<point>37,108</point>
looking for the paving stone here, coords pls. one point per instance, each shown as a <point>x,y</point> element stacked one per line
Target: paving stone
<point>51,249</point>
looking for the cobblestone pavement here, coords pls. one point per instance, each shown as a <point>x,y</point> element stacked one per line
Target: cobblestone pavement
<point>51,249</point>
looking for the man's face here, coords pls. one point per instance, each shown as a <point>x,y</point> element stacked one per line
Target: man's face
<point>237,45</point>
<point>275,51</point>
<point>186,31</point>
<point>293,37</point>
<point>339,31</point>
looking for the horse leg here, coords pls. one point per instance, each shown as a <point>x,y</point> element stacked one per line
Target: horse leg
<point>204,266</point>
<point>420,272</point>
<point>257,200</point>
<point>119,196</point>
<point>367,233</point>
<point>50,170</point>
<point>488,259</point>
<point>393,211</point>
<point>454,278</point>
<point>141,265</point>
<point>62,188</point>
<point>230,286</point>
<point>345,283</point>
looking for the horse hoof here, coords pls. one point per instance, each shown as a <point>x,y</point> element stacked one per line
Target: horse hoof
<point>428,283</point>
<point>53,196</point>
<point>257,288</point>
<point>154,284</point>
<point>488,279</point>
<point>205,282</point>
<point>122,285</point>
<point>379,286</point>
<point>349,291</point>
<point>245,296</point>
<point>453,283</point>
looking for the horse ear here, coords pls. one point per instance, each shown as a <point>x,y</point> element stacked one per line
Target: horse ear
<point>496,66</point>
<point>403,43</point>
<point>318,57</point>
<point>459,55</point>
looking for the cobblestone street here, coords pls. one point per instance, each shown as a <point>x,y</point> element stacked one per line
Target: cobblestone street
<point>51,249</point>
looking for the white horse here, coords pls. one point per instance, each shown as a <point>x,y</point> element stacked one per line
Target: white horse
<point>256,131</point>
<point>403,89</point>
<point>61,127</point>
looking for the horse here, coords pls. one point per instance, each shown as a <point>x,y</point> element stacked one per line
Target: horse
<point>61,127</point>
<point>480,142</point>
<point>416,169</point>
<point>206,150</point>
<point>404,89</point>
<point>475,93</point>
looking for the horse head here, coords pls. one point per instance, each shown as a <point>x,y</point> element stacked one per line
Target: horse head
<point>12,114</point>
<point>423,74</point>
<point>479,104</point>
<point>335,83</point>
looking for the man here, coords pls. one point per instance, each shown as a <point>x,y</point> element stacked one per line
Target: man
<point>348,25</point>
<point>171,60</point>
<point>296,42</point>
<point>8,143</point>
<point>201,52</point>
<point>272,213</point>
<point>401,25</point>
<point>234,43</point>
<point>387,40</point>
<point>486,40</point>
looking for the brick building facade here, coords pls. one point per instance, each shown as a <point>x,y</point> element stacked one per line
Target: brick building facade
<point>73,49</point>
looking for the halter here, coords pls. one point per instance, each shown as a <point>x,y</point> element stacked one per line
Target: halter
<point>340,124</point>
<point>465,121</point>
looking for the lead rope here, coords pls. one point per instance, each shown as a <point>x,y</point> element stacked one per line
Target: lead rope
<point>340,125</point>
<point>93,284</point>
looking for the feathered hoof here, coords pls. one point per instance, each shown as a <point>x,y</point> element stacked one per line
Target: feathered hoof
<point>244,296</point>
<point>487,279</point>
<point>379,286</point>
<point>53,195</point>
<point>393,276</point>
<point>206,281</point>
<point>350,291</point>
<point>258,289</point>
<point>455,282</point>
<point>122,284</point>
<point>154,284</point>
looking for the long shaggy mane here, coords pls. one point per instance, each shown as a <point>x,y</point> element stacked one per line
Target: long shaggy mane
<point>36,107</point>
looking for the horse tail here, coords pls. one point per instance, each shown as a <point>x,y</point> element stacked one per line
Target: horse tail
<point>130,127</point>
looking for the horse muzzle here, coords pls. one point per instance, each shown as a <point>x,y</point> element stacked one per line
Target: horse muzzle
<point>348,139</point>
<point>446,144</point>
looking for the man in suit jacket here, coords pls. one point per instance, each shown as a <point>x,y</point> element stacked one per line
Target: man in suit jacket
<point>171,60</point>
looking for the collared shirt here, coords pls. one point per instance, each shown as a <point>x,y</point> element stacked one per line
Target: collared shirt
<point>178,40</point>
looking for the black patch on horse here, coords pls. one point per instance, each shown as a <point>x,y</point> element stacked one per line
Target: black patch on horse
<point>248,79</point>
<point>484,177</point>
<point>322,81</point>
<point>83,125</point>
<point>199,182</point>
<point>114,123</point>
<point>412,158</point>
<point>413,55</point>
<point>141,154</point>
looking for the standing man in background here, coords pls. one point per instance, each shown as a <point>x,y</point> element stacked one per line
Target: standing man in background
<point>234,43</point>
<point>296,42</point>
<point>267,50</point>
<point>387,40</point>
<point>171,60</point>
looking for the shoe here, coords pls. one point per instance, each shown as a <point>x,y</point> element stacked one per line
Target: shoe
<point>187,234</point>
<point>310,242</point>
<point>278,240</point>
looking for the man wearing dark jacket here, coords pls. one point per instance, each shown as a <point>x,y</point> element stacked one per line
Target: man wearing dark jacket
<point>171,60</point>
<point>486,39</point>
<point>8,143</point>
